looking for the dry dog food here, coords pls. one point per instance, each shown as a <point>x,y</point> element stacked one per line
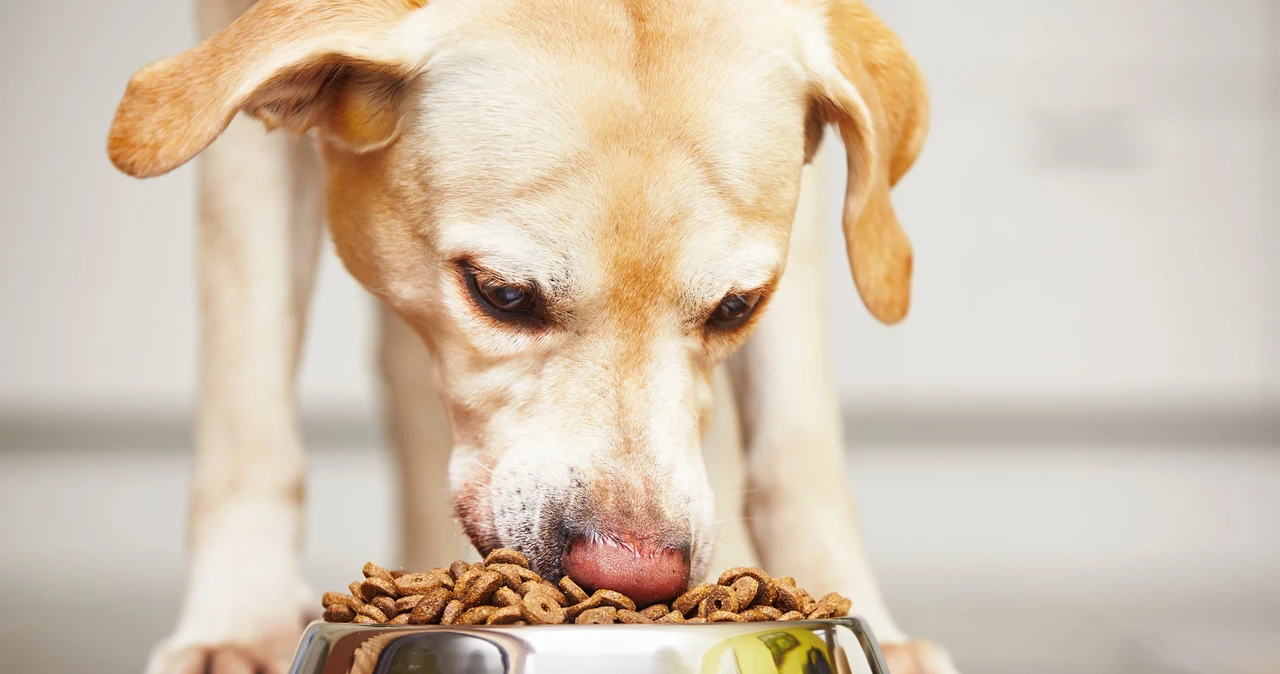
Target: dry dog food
<point>502,590</point>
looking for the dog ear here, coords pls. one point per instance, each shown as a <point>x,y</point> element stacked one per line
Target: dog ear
<point>298,64</point>
<point>872,90</point>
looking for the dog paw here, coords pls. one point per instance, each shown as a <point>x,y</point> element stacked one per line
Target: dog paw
<point>246,602</point>
<point>271,652</point>
<point>260,638</point>
<point>917,657</point>
<point>226,630</point>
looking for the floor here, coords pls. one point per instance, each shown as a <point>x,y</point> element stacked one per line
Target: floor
<point>1081,560</point>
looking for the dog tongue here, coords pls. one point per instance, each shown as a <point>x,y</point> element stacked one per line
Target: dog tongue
<point>646,576</point>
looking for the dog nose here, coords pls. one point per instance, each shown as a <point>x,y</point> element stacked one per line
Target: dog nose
<point>645,573</point>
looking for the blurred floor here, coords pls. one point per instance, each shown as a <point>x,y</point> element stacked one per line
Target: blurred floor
<point>1111,559</point>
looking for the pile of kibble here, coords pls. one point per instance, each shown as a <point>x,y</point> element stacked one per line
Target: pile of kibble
<point>502,590</point>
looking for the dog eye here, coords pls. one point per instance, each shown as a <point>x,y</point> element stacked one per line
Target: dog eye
<point>498,298</point>
<point>735,309</point>
<point>505,297</point>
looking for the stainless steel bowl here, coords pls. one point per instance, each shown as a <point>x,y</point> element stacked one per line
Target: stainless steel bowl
<point>841,646</point>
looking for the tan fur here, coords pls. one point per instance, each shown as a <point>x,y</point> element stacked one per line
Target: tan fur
<point>274,61</point>
<point>638,160</point>
<point>883,134</point>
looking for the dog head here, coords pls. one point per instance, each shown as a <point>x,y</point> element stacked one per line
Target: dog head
<point>581,206</point>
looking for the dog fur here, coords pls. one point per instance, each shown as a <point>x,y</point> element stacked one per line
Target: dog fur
<point>634,162</point>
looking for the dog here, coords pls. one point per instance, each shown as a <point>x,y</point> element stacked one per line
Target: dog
<point>584,210</point>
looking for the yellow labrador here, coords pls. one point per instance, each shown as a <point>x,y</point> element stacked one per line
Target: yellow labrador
<point>583,208</point>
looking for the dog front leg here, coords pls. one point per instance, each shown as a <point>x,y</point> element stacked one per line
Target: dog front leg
<point>722,452</point>
<point>799,505</point>
<point>419,428</point>
<point>260,224</point>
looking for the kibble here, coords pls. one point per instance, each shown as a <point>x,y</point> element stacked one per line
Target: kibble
<point>431,607</point>
<point>540,609</point>
<point>656,611</point>
<point>503,590</point>
<point>385,604</point>
<point>505,615</point>
<point>633,618</point>
<point>476,616</point>
<point>602,615</point>
<point>505,596</point>
<point>720,599</point>
<point>451,612</point>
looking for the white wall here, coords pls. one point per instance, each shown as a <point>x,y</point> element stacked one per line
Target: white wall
<point>1095,212</point>
<point>1091,216</point>
<point>97,269</point>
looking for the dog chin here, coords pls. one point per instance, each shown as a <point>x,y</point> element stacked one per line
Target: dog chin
<point>474,510</point>
<point>543,548</point>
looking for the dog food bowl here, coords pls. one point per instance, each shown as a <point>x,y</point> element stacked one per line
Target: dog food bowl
<point>839,646</point>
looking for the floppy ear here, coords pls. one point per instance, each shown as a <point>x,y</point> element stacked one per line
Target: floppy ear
<point>331,64</point>
<point>872,90</point>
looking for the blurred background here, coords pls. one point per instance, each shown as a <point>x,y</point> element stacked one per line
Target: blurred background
<point>1067,458</point>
